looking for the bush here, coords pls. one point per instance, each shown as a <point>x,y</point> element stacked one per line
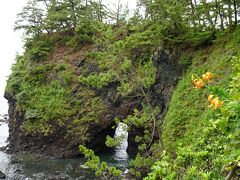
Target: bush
<point>99,80</point>
<point>38,48</point>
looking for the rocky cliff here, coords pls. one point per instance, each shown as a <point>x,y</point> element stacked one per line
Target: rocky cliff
<point>52,112</point>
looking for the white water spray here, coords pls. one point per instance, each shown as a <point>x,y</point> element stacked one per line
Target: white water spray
<point>121,150</point>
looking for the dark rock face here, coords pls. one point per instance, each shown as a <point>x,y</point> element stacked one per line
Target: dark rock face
<point>54,144</point>
<point>58,145</point>
<point>168,73</point>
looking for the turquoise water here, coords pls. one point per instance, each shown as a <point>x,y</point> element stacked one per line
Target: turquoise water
<point>31,167</point>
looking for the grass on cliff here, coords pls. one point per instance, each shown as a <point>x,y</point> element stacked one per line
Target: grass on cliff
<point>190,138</point>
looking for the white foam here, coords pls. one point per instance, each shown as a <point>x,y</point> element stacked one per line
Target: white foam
<point>3,134</point>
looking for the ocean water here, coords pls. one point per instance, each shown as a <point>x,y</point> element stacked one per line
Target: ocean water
<point>32,167</point>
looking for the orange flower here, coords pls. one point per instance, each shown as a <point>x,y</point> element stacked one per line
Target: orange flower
<point>210,97</point>
<point>216,103</point>
<point>198,83</point>
<point>207,76</point>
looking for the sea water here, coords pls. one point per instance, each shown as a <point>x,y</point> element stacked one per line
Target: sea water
<point>32,167</point>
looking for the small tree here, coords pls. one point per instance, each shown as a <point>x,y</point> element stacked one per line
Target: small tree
<point>31,19</point>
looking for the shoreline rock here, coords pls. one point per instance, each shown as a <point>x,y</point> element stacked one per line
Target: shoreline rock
<point>3,121</point>
<point>2,175</point>
<point>4,118</point>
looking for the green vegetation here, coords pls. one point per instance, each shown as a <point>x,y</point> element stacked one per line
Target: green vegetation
<point>76,67</point>
<point>202,135</point>
<point>101,168</point>
<point>99,81</point>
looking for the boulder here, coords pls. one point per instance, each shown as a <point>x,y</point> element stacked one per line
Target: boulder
<point>2,175</point>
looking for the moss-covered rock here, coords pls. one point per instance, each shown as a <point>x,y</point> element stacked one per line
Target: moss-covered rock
<point>74,95</point>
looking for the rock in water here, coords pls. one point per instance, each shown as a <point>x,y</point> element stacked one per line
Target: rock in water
<point>2,175</point>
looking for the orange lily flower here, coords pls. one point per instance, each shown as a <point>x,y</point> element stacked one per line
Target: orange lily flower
<point>210,97</point>
<point>198,83</point>
<point>216,103</point>
<point>207,76</point>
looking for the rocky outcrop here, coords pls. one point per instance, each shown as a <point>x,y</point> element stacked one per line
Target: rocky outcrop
<point>61,143</point>
<point>55,144</point>
<point>2,175</point>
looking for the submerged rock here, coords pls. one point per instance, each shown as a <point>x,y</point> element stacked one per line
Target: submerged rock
<point>4,118</point>
<point>2,121</point>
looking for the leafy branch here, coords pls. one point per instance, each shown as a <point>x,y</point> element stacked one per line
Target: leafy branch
<point>101,169</point>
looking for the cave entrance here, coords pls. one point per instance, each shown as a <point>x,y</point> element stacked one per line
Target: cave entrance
<point>117,156</point>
